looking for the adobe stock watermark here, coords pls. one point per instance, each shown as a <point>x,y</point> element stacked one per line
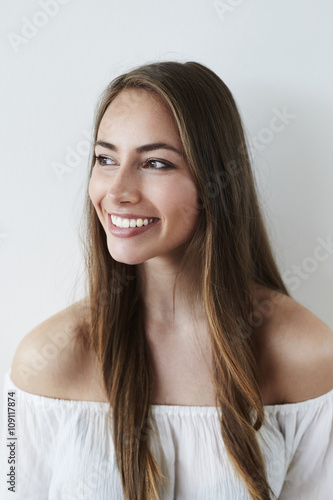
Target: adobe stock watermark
<point>220,180</point>
<point>88,482</point>
<point>262,310</point>
<point>117,284</point>
<point>293,278</point>
<point>226,7</point>
<point>277,124</point>
<point>73,157</point>
<point>31,27</point>
<point>143,434</point>
<point>40,359</point>
<point>301,272</point>
<point>212,188</point>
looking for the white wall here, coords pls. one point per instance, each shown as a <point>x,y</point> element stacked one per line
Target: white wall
<point>272,55</point>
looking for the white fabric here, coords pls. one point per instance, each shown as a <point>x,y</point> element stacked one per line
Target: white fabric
<point>65,451</point>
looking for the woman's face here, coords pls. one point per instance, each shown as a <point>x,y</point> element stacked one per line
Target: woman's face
<point>141,181</point>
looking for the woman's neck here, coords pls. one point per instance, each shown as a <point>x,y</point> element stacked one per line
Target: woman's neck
<point>157,284</point>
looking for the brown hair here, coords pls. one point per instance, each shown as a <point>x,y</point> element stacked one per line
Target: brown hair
<point>230,251</point>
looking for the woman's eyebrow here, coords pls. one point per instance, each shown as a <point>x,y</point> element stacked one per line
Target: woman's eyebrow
<point>141,149</point>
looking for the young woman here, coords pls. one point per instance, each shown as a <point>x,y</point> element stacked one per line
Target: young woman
<point>188,371</point>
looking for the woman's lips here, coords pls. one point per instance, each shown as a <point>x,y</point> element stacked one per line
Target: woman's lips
<point>129,231</point>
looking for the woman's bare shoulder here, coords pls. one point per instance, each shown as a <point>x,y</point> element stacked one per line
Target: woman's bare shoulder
<point>295,350</point>
<point>49,359</point>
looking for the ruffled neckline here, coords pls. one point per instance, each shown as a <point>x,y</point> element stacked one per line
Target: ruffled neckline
<point>165,409</point>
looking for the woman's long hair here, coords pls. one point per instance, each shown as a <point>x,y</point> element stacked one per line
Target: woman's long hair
<point>230,251</point>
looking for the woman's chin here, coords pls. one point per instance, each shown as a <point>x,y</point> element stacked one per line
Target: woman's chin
<point>126,258</point>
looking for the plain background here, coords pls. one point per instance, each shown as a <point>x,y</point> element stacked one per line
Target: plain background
<point>56,59</point>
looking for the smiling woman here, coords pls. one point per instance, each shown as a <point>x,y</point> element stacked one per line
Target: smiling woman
<point>188,371</point>
<point>133,193</point>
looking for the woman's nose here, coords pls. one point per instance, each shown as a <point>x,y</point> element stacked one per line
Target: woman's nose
<point>123,187</point>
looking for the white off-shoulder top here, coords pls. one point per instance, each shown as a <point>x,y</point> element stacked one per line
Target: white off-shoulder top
<point>64,451</point>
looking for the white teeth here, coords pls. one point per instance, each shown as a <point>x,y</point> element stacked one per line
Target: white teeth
<point>125,223</point>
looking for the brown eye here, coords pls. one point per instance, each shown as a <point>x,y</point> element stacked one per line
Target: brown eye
<point>153,164</point>
<point>102,160</point>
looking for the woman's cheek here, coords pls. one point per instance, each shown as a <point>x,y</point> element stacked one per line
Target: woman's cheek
<point>96,192</point>
<point>95,188</point>
<point>187,202</point>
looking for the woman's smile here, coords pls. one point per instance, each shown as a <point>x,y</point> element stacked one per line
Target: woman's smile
<point>127,228</point>
<point>147,204</point>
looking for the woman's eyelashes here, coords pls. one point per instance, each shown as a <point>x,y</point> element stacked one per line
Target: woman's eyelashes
<point>151,163</point>
<point>102,160</point>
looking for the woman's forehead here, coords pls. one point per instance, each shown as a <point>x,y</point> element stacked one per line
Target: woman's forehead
<point>139,111</point>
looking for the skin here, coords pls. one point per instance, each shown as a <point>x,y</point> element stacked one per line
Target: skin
<point>294,363</point>
<point>125,183</point>
<point>293,348</point>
